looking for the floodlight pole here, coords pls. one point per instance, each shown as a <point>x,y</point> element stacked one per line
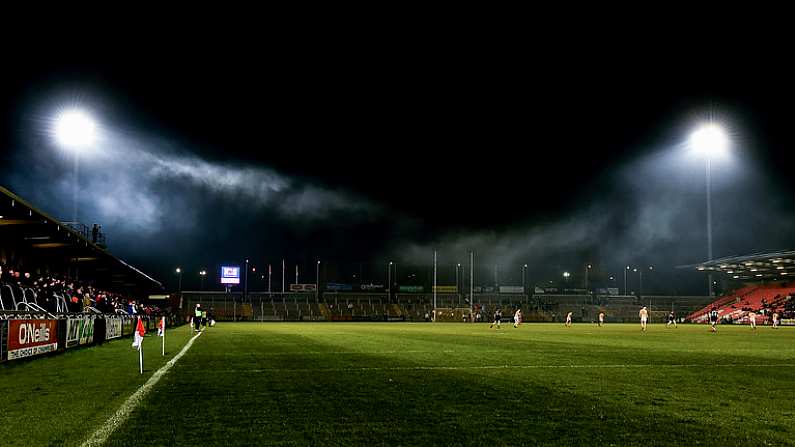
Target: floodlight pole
<point>75,187</point>
<point>434,285</point>
<point>388,279</point>
<point>317,282</point>
<point>625,280</point>
<point>472,285</point>
<point>282,278</point>
<point>245,287</point>
<point>709,222</point>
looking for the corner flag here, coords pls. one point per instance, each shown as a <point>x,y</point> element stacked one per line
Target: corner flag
<point>140,331</point>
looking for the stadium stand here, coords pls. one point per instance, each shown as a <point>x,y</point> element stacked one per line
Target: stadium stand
<point>53,276</point>
<point>761,299</point>
<point>763,290</point>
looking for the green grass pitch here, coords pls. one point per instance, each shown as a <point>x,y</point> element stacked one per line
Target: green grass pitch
<point>329,384</point>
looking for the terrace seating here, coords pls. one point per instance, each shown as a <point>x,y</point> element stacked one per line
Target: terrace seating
<point>736,306</point>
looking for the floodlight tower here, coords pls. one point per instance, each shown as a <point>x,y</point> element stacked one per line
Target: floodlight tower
<point>709,141</point>
<point>75,131</point>
<point>179,273</point>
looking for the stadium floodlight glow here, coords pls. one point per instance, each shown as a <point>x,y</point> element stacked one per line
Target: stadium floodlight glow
<point>709,140</point>
<point>179,270</point>
<point>566,274</point>
<point>75,129</point>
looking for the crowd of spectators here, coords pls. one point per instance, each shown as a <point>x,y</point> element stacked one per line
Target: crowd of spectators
<point>52,292</point>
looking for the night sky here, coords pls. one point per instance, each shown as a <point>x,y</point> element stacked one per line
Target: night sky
<point>360,154</point>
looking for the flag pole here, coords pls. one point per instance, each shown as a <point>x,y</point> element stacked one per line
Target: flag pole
<point>141,357</point>
<point>163,322</point>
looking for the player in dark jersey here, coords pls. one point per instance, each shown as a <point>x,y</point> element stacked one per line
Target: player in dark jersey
<point>497,319</point>
<point>713,319</point>
<point>671,320</point>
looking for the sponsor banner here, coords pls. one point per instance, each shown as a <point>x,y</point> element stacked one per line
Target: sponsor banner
<point>411,289</point>
<point>612,290</point>
<point>27,338</point>
<point>551,290</point>
<point>788,321</point>
<point>79,331</point>
<point>539,290</point>
<point>488,289</point>
<point>511,289</point>
<point>3,342</point>
<point>112,327</point>
<point>303,287</point>
<point>339,287</point>
<point>445,289</point>
<point>372,287</point>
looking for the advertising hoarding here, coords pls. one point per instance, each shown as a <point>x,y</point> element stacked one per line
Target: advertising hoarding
<point>27,338</point>
<point>79,331</point>
<point>112,328</point>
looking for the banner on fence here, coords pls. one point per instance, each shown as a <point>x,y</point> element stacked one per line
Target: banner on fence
<point>445,289</point>
<point>3,342</point>
<point>27,338</point>
<point>112,327</point>
<point>79,331</point>
<point>303,287</point>
<point>127,326</point>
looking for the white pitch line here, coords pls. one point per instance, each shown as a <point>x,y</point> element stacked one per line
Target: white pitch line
<point>299,353</point>
<point>444,368</point>
<point>101,435</point>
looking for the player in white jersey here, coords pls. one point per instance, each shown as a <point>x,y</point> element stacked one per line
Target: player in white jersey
<point>601,318</point>
<point>568,319</point>
<point>775,320</point>
<point>644,316</point>
<point>752,319</point>
<point>517,318</point>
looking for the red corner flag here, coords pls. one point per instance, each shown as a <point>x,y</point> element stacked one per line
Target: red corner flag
<point>140,331</point>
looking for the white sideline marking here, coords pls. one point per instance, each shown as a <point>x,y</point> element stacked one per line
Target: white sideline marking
<point>101,435</point>
<point>413,368</point>
<point>446,351</point>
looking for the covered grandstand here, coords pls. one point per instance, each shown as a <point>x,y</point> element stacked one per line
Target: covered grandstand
<point>762,286</point>
<point>31,241</point>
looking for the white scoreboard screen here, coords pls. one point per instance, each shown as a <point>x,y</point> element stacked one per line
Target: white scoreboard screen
<point>230,274</point>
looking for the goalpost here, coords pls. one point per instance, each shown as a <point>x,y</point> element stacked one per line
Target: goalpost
<point>452,314</point>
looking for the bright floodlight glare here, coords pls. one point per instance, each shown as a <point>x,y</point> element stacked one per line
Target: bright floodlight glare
<point>75,129</point>
<point>709,140</point>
